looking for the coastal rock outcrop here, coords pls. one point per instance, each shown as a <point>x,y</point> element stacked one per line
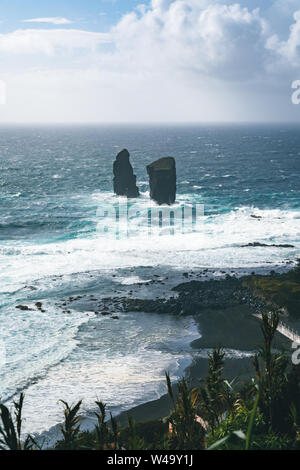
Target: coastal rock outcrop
<point>162,176</point>
<point>124,179</point>
<point>258,244</point>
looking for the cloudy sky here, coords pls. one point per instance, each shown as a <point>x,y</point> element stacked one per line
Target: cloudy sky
<point>151,61</point>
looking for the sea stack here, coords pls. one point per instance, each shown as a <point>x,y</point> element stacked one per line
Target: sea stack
<point>124,179</point>
<point>162,175</point>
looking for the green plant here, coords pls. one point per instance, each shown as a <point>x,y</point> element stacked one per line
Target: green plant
<point>115,432</point>
<point>101,429</point>
<point>273,379</point>
<point>185,431</point>
<point>11,428</point>
<point>134,442</point>
<point>217,395</point>
<point>71,427</point>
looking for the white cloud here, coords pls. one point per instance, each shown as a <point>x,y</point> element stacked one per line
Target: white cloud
<point>187,36</point>
<point>173,60</point>
<point>225,40</point>
<point>49,42</point>
<point>288,50</point>
<point>53,20</point>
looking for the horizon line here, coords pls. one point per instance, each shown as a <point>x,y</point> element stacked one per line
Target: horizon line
<point>144,123</point>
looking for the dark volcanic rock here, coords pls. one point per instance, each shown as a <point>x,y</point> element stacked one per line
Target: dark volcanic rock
<point>124,179</point>
<point>192,297</point>
<point>162,175</point>
<point>257,244</point>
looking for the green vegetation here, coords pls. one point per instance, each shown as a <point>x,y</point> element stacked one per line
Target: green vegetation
<point>11,426</point>
<point>280,291</point>
<point>263,413</point>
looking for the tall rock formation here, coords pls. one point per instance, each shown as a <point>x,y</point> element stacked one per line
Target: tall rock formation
<point>162,175</point>
<point>124,179</point>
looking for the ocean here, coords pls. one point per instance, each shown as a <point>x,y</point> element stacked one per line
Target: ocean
<point>53,182</point>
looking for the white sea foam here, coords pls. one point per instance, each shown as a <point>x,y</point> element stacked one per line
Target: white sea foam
<point>122,364</point>
<point>130,280</point>
<point>217,242</point>
<point>34,342</point>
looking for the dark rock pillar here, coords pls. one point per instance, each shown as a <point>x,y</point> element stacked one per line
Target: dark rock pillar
<point>124,179</point>
<point>162,174</point>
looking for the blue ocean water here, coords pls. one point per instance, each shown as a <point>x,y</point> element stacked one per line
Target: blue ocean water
<point>47,172</point>
<point>53,181</point>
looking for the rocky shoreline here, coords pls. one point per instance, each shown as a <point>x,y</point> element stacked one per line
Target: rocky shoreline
<point>188,298</point>
<point>196,294</point>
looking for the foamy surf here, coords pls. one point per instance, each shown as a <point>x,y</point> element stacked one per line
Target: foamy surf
<point>121,363</point>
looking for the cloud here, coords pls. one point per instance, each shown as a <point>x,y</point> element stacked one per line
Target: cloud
<point>50,42</point>
<point>53,20</point>
<point>224,40</point>
<point>170,60</point>
<point>288,51</point>
<point>188,37</point>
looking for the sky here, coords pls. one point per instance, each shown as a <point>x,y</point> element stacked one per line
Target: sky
<point>128,61</point>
